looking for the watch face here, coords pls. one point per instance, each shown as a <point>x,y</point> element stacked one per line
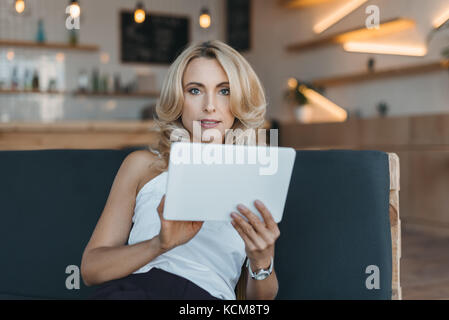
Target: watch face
<point>262,275</point>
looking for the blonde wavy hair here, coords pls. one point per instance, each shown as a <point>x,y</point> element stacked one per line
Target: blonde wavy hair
<point>247,96</point>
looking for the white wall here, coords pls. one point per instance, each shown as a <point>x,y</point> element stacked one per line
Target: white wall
<point>276,27</point>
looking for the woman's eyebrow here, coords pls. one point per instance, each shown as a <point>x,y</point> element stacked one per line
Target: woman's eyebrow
<point>199,84</point>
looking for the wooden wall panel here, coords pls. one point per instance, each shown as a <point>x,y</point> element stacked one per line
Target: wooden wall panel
<point>422,144</point>
<point>383,132</point>
<point>317,135</point>
<point>429,185</point>
<point>430,130</point>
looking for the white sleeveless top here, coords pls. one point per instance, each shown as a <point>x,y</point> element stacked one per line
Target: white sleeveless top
<point>212,259</point>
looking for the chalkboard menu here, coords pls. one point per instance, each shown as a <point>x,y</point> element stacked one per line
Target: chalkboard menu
<point>159,39</point>
<point>238,24</point>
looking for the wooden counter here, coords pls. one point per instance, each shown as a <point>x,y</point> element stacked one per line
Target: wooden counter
<point>422,144</point>
<point>77,135</point>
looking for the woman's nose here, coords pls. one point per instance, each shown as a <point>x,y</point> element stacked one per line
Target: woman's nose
<point>210,106</point>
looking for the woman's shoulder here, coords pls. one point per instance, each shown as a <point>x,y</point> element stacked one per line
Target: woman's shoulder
<point>140,159</point>
<point>147,163</point>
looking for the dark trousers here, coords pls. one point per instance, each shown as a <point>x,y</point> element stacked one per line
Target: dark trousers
<point>155,284</point>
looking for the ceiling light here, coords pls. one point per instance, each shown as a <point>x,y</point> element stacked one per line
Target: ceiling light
<point>337,15</point>
<point>365,47</point>
<point>441,19</point>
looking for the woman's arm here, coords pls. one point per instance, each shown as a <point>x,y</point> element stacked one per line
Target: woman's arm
<point>107,263</point>
<point>107,256</point>
<point>259,237</point>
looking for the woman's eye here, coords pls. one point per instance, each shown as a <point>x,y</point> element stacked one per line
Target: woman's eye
<point>196,92</point>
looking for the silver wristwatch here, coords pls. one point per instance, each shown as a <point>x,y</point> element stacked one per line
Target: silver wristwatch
<point>262,273</point>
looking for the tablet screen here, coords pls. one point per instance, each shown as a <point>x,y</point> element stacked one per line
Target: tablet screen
<point>208,181</point>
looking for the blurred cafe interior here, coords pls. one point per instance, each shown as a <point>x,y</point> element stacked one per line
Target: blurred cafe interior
<point>338,74</point>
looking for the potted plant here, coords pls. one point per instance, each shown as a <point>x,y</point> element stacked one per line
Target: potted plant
<point>302,107</point>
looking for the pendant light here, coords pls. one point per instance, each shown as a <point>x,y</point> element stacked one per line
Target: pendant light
<point>75,9</point>
<point>19,6</point>
<point>139,13</point>
<point>204,19</point>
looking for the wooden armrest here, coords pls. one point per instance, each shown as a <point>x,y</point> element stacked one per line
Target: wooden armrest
<point>395,225</point>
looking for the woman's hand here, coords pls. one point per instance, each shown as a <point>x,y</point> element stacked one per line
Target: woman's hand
<point>259,236</point>
<point>174,233</point>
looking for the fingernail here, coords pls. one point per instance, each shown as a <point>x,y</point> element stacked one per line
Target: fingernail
<point>241,207</point>
<point>258,202</point>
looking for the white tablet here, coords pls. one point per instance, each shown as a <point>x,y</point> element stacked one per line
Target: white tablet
<point>208,181</point>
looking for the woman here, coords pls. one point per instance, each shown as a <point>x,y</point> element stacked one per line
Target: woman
<point>134,252</point>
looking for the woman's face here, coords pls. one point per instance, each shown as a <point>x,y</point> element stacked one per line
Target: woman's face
<point>206,97</point>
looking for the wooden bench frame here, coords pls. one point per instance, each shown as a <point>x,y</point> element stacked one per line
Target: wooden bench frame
<point>395,226</point>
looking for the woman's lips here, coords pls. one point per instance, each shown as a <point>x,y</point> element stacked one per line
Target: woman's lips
<point>209,124</point>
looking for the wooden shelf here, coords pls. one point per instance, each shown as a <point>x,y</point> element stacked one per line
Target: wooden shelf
<point>289,4</point>
<point>111,95</point>
<point>355,34</point>
<point>47,45</point>
<point>380,74</point>
<point>12,92</point>
<point>118,95</point>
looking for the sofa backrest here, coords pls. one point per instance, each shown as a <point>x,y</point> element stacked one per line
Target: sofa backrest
<point>334,226</point>
<point>50,203</point>
<point>335,240</point>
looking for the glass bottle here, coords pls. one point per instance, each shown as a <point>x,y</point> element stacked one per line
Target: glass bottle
<point>40,36</point>
<point>83,81</point>
<point>14,79</point>
<point>35,82</point>
<point>95,81</point>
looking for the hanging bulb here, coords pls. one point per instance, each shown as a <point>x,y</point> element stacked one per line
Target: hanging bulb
<point>139,13</point>
<point>204,18</point>
<point>292,83</point>
<point>75,9</point>
<point>20,6</point>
